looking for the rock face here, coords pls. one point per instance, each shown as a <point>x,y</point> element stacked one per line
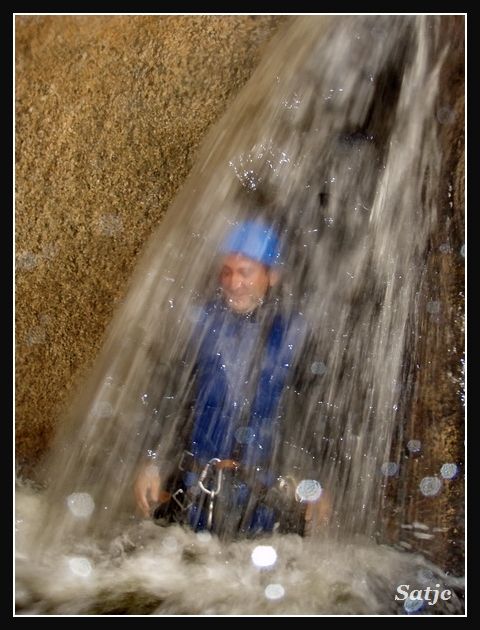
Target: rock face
<point>431,488</point>
<point>110,111</point>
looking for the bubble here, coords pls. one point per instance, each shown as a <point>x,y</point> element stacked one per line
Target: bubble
<point>110,224</point>
<point>80,504</point>
<point>462,250</point>
<point>274,591</point>
<point>414,446</point>
<point>449,471</point>
<point>264,556</point>
<point>433,307</point>
<point>389,469</point>
<point>80,566</point>
<point>36,336</point>
<point>318,367</point>
<point>244,435</point>
<point>103,409</point>
<point>413,604</point>
<point>26,261</point>
<point>445,115</point>
<point>430,486</point>
<point>308,490</point>
<point>50,251</point>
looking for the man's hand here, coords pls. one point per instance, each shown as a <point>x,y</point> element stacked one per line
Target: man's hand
<point>147,488</point>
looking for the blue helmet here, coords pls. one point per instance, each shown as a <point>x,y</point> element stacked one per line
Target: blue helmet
<point>254,239</point>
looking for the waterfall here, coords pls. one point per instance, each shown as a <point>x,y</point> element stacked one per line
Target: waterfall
<point>335,142</point>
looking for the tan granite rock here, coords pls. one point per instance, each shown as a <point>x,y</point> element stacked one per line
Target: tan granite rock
<point>110,111</point>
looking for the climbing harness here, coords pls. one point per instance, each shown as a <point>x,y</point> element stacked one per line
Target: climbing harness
<point>209,483</point>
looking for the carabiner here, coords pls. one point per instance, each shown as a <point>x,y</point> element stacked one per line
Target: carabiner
<point>214,460</point>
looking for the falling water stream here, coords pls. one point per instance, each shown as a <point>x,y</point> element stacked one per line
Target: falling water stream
<point>334,142</point>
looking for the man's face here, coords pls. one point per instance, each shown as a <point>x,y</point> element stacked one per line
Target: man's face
<point>244,282</point>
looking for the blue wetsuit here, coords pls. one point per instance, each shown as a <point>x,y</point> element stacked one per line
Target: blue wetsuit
<point>243,364</point>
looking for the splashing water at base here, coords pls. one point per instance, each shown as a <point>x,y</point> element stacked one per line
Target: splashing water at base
<point>150,570</point>
<point>333,143</point>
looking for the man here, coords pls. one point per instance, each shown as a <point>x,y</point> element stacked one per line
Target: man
<point>246,355</point>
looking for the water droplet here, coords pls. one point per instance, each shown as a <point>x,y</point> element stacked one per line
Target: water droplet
<point>449,471</point>
<point>445,115</point>
<point>26,261</point>
<point>389,469</point>
<point>462,250</point>
<point>36,336</point>
<point>430,486</point>
<point>264,556</point>
<point>318,367</point>
<point>414,446</point>
<point>308,490</point>
<point>413,604</point>
<point>49,251</point>
<point>80,504</point>
<point>109,224</point>
<point>274,591</point>
<point>80,566</point>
